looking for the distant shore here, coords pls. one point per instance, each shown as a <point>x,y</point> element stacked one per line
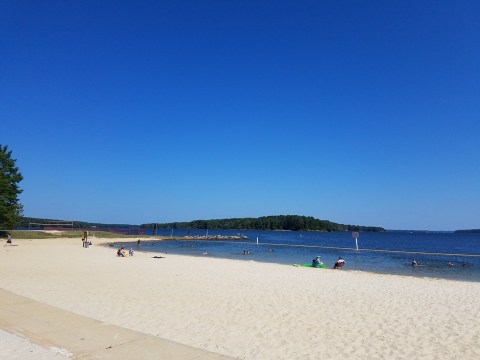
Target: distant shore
<point>247,309</point>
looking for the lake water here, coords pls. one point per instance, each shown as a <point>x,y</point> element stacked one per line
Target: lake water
<point>289,247</point>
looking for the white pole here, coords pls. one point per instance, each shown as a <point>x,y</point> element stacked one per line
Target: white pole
<point>257,240</point>
<point>356,243</point>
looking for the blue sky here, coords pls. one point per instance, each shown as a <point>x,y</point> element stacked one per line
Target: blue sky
<point>359,112</point>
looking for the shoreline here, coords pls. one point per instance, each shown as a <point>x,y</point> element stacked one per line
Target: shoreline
<point>249,309</point>
<point>235,258</point>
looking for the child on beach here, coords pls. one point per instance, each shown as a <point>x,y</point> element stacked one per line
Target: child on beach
<point>9,239</point>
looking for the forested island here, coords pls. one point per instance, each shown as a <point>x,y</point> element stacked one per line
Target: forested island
<point>276,222</point>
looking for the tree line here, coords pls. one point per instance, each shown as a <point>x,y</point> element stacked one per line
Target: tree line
<point>276,222</point>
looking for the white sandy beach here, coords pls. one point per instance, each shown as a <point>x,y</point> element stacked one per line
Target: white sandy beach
<point>251,310</point>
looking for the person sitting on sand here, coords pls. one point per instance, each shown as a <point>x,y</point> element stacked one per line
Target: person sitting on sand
<point>121,252</point>
<point>317,262</point>
<point>340,263</point>
<point>414,263</point>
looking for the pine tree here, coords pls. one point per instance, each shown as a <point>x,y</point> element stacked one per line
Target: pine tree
<point>10,207</point>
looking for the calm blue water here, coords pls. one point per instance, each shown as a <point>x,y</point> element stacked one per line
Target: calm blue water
<point>291,247</point>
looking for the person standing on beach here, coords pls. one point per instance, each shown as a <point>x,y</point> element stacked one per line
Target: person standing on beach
<point>9,239</point>
<point>84,239</point>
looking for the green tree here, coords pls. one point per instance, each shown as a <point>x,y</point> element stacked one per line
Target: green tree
<point>10,207</point>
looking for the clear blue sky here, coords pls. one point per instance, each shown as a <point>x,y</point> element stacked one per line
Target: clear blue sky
<point>359,112</point>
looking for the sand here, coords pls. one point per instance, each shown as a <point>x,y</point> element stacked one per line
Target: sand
<point>251,310</point>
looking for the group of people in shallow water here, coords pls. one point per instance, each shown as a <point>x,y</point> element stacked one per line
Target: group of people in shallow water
<point>415,263</point>
<point>339,264</point>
